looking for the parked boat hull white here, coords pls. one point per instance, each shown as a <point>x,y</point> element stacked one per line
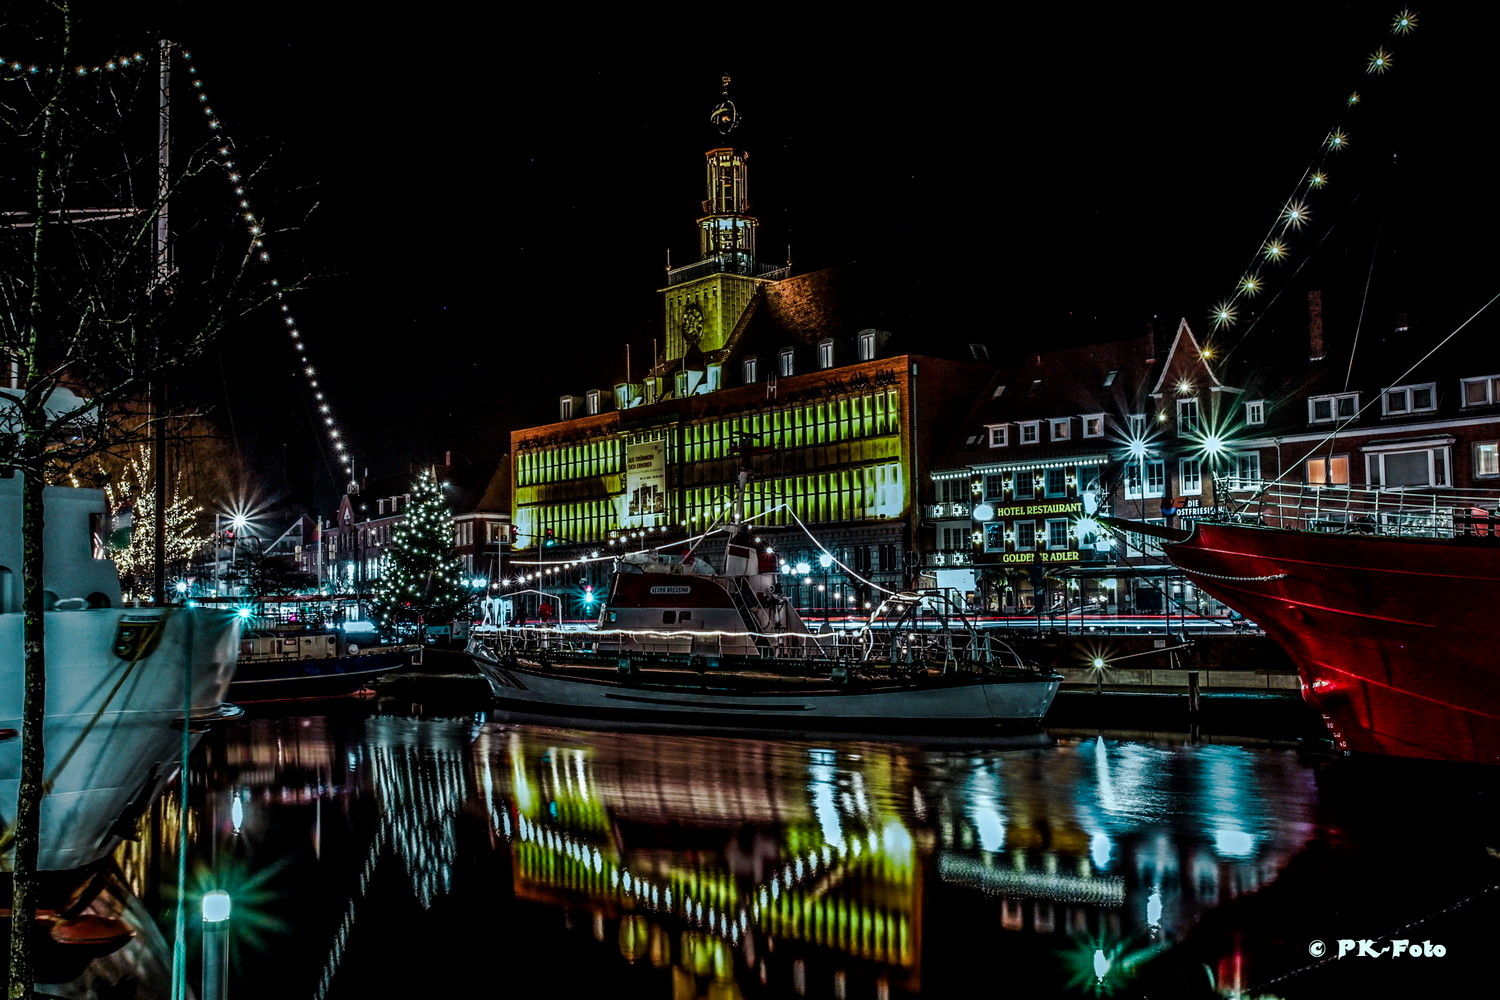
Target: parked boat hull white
<point>113,728</point>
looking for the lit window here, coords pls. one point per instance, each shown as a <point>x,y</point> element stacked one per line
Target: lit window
<point>1327,409</point>
<point>1156,478</point>
<point>1190,477</point>
<point>1031,431</point>
<point>999,435</point>
<point>1404,399</point>
<point>1487,459</point>
<point>787,361</point>
<point>1187,416</point>
<point>1061,429</point>
<point>1403,465</point>
<point>1481,391</point>
<point>825,354</point>
<point>750,370</point>
<point>1255,412</point>
<point>1093,425</point>
<point>1328,471</point>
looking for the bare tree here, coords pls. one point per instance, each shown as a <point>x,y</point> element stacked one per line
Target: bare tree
<point>93,309</point>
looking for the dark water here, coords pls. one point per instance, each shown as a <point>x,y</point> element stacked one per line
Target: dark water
<point>375,855</point>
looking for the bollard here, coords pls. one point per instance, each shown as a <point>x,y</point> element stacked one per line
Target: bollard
<point>215,945</point>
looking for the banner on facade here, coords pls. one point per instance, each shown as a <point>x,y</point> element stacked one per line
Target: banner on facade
<point>645,497</point>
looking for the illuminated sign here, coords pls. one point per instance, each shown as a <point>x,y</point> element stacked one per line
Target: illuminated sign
<point>1069,555</point>
<point>1035,509</point>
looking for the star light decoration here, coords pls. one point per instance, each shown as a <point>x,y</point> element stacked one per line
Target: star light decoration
<point>1296,213</point>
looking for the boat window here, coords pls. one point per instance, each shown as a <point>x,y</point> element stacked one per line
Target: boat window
<point>685,616</point>
<point>98,600</point>
<point>668,617</point>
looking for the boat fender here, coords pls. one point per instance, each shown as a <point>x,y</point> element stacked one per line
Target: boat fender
<point>71,604</point>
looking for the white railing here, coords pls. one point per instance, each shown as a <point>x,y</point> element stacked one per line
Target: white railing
<point>1406,512</point>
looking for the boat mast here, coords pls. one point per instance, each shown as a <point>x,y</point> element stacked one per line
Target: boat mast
<point>160,286</point>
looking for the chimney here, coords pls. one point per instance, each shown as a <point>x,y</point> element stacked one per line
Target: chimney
<point>1315,346</point>
<point>1150,341</point>
<point>447,458</point>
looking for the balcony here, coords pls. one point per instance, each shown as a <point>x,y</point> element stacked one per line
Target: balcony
<point>948,559</point>
<point>949,509</point>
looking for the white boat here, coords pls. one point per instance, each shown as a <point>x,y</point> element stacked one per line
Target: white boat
<point>119,681</point>
<point>679,640</point>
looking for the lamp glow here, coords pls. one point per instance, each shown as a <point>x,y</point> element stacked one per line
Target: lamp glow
<point>215,906</point>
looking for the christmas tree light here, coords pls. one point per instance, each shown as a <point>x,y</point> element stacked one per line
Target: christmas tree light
<point>421,579</point>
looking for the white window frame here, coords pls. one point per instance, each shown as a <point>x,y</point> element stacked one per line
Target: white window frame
<point>867,346</point>
<point>750,370</point>
<point>1015,529</point>
<point>1255,413</point>
<point>788,361</point>
<point>1134,476</point>
<point>825,354</point>
<point>1335,403</point>
<point>999,435</point>
<point>1491,384</point>
<point>1327,463</point>
<point>1189,420</point>
<point>1051,525</point>
<point>1493,448</point>
<point>1031,429</point>
<point>1136,424</point>
<point>1407,394</point>
<point>1375,459</point>
<point>1099,427</point>
<point>1246,469</point>
<point>1190,477</point>
<point>1060,428</point>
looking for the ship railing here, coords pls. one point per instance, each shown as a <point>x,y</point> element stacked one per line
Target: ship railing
<point>1400,512</point>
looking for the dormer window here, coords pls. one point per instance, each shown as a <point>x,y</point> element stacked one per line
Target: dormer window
<point>1031,431</point>
<point>1481,391</point>
<point>1093,425</point>
<point>1255,412</point>
<point>867,346</point>
<point>565,407</point>
<point>1403,399</point>
<point>1109,379</point>
<point>825,354</point>
<point>999,435</point>
<point>1060,429</point>
<point>594,402</point>
<point>750,370</point>
<point>1327,409</point>
<point>788,361</point>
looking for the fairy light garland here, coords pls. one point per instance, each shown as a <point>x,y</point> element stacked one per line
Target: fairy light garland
<point>255,227</point>
<point>1275,247</point>
<point>254,223</point>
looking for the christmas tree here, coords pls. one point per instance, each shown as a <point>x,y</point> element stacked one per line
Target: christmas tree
<point>421,580</point>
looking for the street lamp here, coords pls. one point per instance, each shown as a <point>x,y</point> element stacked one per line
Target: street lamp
<point>825,560</point>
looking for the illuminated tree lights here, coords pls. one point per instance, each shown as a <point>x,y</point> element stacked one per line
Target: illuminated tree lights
<point>421,579</point>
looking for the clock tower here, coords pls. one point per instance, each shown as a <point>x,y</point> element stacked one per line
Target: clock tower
<point>705,299</point>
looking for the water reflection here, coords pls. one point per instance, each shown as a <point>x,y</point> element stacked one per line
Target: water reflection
<point>680,866</point>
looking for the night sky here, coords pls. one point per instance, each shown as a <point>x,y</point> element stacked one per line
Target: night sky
<point>492,200</point>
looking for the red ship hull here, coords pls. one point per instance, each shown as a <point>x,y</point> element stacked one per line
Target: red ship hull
<point>1394,637</point>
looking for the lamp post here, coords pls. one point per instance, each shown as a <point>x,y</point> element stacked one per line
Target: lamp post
<point>825,560</point>
<point>802,571</point>
<point>215,944</point>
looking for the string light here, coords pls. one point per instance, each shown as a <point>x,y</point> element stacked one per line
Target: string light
<point>256,228</point>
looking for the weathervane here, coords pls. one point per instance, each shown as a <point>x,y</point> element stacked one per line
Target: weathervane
<point>724,117</point>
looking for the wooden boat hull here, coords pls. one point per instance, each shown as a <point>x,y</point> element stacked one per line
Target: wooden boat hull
<point>1393,636</point>
<point>733,699</point>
